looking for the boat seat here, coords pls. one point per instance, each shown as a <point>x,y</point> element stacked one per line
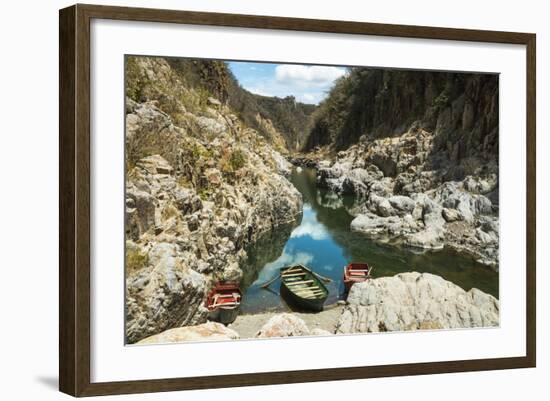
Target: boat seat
<point>298,288</point>
<point>225,304</point>
<point>308,292</point>
<point>299,282</point>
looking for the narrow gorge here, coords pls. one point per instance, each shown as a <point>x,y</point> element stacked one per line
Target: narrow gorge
<point>399,168</point>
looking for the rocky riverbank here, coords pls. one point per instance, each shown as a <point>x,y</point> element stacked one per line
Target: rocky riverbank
<point>407,301</point>
<point>403,200</point>
<point>201,186</point>
<point>415,301</point>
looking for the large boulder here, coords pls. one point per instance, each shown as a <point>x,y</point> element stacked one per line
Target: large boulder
<point>210,331</point>
<point>433,234</point>
<point>412,301</point>
<point>402,204</point>
<point>283,325</point>
<point>169,294</point>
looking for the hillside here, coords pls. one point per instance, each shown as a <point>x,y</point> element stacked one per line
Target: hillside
<point>282,121</point>
<point>201,186</point>
<point>461,110</point>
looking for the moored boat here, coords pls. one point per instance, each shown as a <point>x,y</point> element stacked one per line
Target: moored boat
<point>302,288</point>
<point>356,273</point>
<point>223,302</point>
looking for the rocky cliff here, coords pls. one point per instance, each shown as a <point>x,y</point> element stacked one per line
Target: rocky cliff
<point>200,186</point>
<point>283,122</point>
<point>420,152</point>
<point>460,109</point>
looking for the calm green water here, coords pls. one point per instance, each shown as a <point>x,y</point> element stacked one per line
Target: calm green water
<point>323,241</point>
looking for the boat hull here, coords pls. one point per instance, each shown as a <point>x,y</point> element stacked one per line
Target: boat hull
<point>350,279</point>
<point>315,305</point>
<point>293,299</point>
<point>223,302</point>
<point>224,315</point>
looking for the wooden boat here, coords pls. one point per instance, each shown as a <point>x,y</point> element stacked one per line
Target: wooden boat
<point>356,273</point>
<point>302,288</point>
<point>223,302</point>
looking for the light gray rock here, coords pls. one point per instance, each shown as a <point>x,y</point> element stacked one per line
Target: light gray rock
<point>211,126</point>
<point>451,215</point>
<point>283,325</point>
<point>452,196</point>
<point>380,205</point>
<point>186,201</point>
<point>233,272</point>
<point>155,164</point>
<point>210,331</point>
<point>320,332</point>
<point>433,235</point>
<point>283,166</point>
<point>213,101</point>
<point>402,204</point>
<point>173,295</point>
<point>374,226</point>
<point>140,212</point>
<point>412,301</point>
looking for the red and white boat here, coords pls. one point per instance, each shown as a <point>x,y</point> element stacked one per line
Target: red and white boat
<point>223,302</point>
<point>356,273</point>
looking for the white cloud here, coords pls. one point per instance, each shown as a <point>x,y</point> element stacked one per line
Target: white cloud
<point>308,84</point>
<point>310,229</point>
<point>307,75</point>
<point>310,226</point>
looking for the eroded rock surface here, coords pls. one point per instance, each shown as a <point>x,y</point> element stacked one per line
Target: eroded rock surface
<point>414,301</point>
<point>413,204</point>
<point>210,331</point>
<point>200,187</point>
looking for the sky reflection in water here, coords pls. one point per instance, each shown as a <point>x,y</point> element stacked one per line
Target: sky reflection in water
<point>324,243</point>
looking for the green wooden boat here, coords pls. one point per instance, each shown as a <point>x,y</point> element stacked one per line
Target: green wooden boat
<point>302,288</point>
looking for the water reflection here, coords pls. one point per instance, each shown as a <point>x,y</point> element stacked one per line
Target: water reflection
<point>324,242</point>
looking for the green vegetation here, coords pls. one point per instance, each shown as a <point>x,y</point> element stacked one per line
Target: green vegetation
<point>214,78</point>
<point>136,80</point>
<point>205,193</point>
<point>289,117</point>
<point>237,159</point>
<point>135,259</point>
<point>379,102</point>
<point>192,82</point>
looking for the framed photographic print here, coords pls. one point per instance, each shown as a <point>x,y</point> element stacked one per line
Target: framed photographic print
<point>250,200</point>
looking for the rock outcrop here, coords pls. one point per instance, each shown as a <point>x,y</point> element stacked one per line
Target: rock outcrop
<point>414,204</point>
<point>210,331</point>
<point>201,186</point>
<point>420,151</point>
<point>415,301</point>
<point>288,325</point>
<point>283,325</point>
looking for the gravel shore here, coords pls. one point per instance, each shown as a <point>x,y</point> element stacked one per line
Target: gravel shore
<point>248,325</point>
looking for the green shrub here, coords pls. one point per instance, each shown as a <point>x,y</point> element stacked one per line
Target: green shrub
<point>136,81</point>
<point>136,260</point>
<point>237,159</point>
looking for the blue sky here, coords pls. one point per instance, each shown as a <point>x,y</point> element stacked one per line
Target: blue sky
<point>307,83</point>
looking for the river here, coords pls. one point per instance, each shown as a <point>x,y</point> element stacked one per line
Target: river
<point>323,241</point>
